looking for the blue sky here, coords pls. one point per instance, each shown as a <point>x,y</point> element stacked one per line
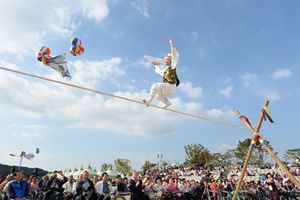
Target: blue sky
<point>234,55</point>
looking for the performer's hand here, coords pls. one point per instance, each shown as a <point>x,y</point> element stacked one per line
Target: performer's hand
<point>171,41</point>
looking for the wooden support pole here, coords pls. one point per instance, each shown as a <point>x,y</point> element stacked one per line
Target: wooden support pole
<point>288,173</point>
<point>245,166</point>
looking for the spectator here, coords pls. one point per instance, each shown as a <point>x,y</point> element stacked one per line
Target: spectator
<point>125,181</point>
<point>121,186</point>
<point>273,190</point>
<point>95,179</point>
<point>53,188</point>
<point>85,189</point>
<point>289,192</point>
<point>137,186</point>
<point>103,187</point>
<point>159,187</point>
<point>149,189</point>
<point>34,182</point>
<point>9,179</point>
<point>68,186</point>
<point>18,189</point>
<point>79,178</point>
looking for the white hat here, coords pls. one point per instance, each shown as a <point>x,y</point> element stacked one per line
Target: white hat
<point>168,56</point>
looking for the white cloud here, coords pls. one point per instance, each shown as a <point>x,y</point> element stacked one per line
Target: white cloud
<point>30,98</point>
<point>224,147</point>
<point>192,92</point>
<point>25,135</point>
<point>269,94</point>
<point>26,30</point>
<point>94,9</point>
<point>282,73</point>
<point>249,80</point>
<point>141,6</point>
<point>217,113</point>
<point>226,92</point>
<point>90,73</point>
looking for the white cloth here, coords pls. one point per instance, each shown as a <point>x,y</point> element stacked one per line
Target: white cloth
<point>99,187</point>
<point>68,187</point>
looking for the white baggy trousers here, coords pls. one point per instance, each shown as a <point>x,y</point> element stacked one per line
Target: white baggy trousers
<point>160,91</point>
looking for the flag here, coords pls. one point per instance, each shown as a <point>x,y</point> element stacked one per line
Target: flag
<point>29,156</point>
<point>59,64</point>
<point>268,114</point>
<point>245,119</point>
<point>263,114</point>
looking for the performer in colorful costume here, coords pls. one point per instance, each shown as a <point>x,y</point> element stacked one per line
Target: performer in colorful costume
<point>160,91</point>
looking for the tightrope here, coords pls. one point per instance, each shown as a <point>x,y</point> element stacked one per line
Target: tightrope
<point>132,100</point>
<point>118,97</point>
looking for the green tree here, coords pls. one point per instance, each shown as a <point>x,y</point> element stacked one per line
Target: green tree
<point>258,154</point>
<point>196,154</point>
<point>216,158</point>
<point>292,154</point>
<point>123,166</point>
<point>164,164</point>
<point>241,150</point>
<point>228,158</point>
<point>147,166</point>
<point>106,166</point>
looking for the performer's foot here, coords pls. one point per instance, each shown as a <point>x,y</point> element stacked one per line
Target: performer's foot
<point>146,102</point>
<point>167,104</point>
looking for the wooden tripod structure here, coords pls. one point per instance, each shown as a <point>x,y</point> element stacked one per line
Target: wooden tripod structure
<point>255,138</point>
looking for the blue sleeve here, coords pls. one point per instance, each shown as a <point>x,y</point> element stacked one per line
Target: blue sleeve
<point>26,193</point>
<point>11,190</point>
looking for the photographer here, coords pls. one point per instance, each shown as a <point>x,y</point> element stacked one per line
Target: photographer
<point>53,188</point>
<point>136,185</point>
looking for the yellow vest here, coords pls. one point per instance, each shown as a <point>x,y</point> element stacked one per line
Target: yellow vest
<point>170,76</point>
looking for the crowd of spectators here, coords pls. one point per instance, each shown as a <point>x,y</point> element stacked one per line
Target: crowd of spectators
<point>174,182</point>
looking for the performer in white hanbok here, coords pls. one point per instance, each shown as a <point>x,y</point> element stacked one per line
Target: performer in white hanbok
<point>160,91</point>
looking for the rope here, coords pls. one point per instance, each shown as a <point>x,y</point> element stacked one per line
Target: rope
<point>135,101</point>
<point>278,148</point>
<point>118,97</point>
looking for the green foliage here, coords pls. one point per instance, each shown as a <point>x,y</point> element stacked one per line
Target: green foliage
<point>228,157</point>
<point>241,150</point>
<point>258,153</point>
<point>197,154</point>
<point>123,166</point>
<point>292,154</point>
<point>147,166</point>
<point>105,166</point>
<point>5,170</point>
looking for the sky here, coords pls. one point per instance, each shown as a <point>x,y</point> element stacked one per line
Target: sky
<point>233,55</point>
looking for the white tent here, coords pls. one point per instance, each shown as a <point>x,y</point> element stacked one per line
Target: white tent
<point>111,173</point>
<point>79,171</point>
<point>90,170</point>
<point>73,172</point>
<point>100,172</point>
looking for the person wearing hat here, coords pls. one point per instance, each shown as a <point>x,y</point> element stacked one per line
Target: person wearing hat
<point>160,91</point>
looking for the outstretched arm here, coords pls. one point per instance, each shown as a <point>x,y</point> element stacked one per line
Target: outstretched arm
<point>171,41</point>
<point>174,53</point>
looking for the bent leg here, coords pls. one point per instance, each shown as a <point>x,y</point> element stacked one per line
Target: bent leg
<point>154,91</point>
